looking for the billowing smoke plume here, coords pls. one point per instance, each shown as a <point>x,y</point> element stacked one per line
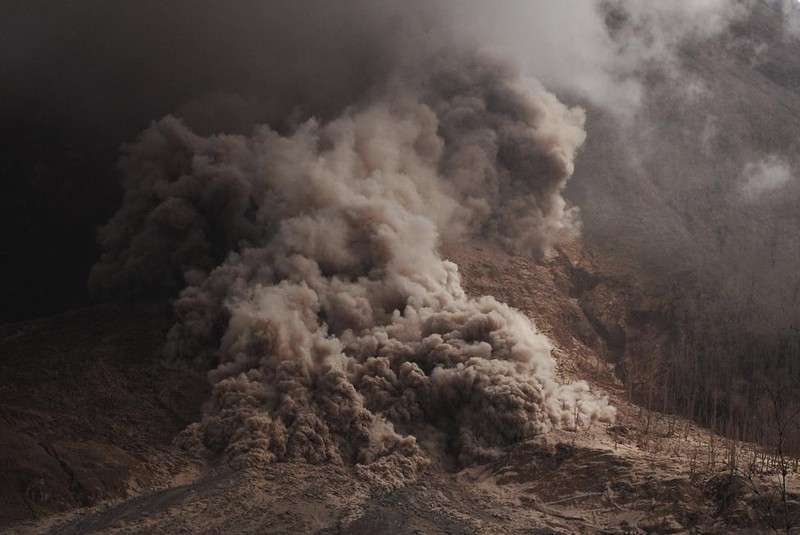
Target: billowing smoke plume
<point>600,50</point>
<point>314,288</point>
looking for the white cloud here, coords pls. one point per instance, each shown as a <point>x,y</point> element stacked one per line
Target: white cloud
<point>567,44</point>
<point>765,175</point>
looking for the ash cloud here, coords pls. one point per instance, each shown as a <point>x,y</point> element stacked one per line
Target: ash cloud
<point>691,117</point>
<point>79,78</point>
<point>311,279</point>
<point>598,50</point>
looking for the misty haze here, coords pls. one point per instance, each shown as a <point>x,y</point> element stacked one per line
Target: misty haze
<point>400,267</point>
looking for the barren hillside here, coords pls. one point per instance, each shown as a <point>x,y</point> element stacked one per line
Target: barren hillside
<point>92,438</point>
<point>392,267</point>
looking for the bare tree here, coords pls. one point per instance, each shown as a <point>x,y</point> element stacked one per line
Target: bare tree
<point>774,499</point>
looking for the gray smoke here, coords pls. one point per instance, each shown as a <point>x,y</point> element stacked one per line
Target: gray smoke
<point>313,286</point>
<point>692,137</point>
<point>600,50</point>
<point>698,184</point>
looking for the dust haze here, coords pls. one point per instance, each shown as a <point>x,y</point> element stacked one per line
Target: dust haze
<point>289,174</point>
<point>313,284</point>
<point>685,167</point>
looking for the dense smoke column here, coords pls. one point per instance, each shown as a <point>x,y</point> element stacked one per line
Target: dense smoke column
<point>314,288</point>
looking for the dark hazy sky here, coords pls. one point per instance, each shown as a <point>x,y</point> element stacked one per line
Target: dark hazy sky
<point>79,78</point>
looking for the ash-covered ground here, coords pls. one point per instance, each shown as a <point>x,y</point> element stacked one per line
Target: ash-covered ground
<point>380,267</point>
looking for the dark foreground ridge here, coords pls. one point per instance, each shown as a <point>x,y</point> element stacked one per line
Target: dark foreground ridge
<point>87,414</point>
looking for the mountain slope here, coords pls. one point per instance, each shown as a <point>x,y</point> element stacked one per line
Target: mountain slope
<point>648,471</point>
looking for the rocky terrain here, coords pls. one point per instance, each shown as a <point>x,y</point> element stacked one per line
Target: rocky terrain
<point>279,324</point>
<point>91,414</point>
